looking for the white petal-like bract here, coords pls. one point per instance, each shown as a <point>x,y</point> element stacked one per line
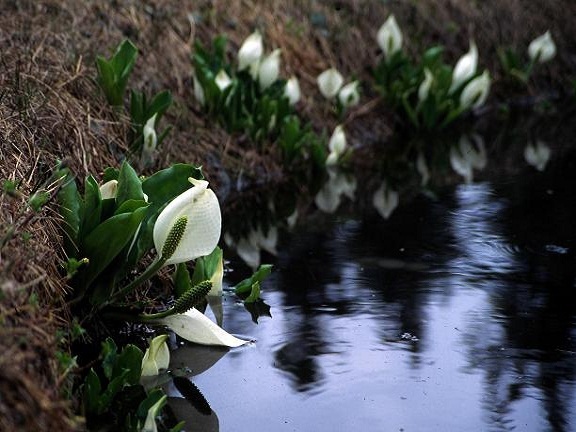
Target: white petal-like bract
<point>389,37</point>
<point>292,90</point>
<point>465,68</point>
<point>251,51</point>
<point>269,69</point>
<point>542,49</point>
<point>329,82</point>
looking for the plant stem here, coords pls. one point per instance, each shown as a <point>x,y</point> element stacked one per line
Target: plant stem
<point>148,273</point>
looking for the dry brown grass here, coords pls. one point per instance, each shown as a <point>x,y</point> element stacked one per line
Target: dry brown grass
<point>51,108</point>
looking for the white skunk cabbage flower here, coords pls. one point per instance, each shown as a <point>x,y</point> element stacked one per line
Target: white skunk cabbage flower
<point>156,357</point>
<point>269,69</point>
<point>469,154</point>
<point>249,251</point>
<point>424,88</point>
<point>537,155</point>
<point>349,94</point>
<point>198,91</point>
<point>542,49</point>
<point>196,327</point>
<point>292,90</point>
<point>385,200</point>
<point>251,51</point>
<point>465,68</point>
<point>329,83</point>
<point>199,208</point>
<point>222,80</point>
<point>109,189</point>
<point>153,412</point>
<point>476,91</point>
<point>389,37</point>
<point>150,137</point>
<point>269,241</point>
<point>336,145</point>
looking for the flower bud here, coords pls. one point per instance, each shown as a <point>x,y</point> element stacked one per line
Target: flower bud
<point>292,90</point>
<point>269,69</point>
<point>542,49</point>
<point>251,50</point>
<point>349,95</point>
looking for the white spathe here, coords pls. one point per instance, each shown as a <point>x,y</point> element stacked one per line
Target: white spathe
<point>537,155</point>
<point>200,205</point>
<point>476,91</point>
<point>251,51</point>
<point>542,49</point>
<point>385,200</point>
<point>150,137</point>
<point>292,90</point>
<point>424,88</point>
<point>198,91</point>
<point>349,94</point>
<point>153,412</point>
<point>217,277</point>
<point>389,37</point>
<point>156,357</point>
<point>249,251</point>
<point>109,189</point>
<point>222,80</point>
<point>269,70</point>
<point>196,327</point>
<point>329,82</point>
<point>465,68</point>
<point>469,154</point>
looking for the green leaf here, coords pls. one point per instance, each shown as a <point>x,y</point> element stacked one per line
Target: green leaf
<point>109,353</point>
<point>106,241</point>
<point>205,267</point>
<point>130,206</point>
<point>168,183</point>
<point>129,360</point>
<point>129,185</point>
<point>245,287</point>
<point>254,293</point>
<point>153,397</point>
<point>71,212</point>
<point>92,208</point>
<point>159,104</point>
<point>92,391</point>
<point>181,279</point>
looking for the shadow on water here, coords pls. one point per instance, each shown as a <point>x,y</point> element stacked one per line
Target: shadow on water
<point>458,312</point>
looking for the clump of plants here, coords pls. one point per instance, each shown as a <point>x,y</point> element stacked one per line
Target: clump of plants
<point>249,96</point>
<point>428,93</point>
<point>145,113</point>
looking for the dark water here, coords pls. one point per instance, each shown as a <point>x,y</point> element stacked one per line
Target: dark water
<point>456,314</point>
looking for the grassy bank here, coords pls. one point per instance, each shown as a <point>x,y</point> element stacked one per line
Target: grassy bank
<point>51,109</point>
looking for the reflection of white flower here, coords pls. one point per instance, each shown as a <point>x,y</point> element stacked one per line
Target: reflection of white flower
<point>469,154</point>
<point>200,207</point>
<point>329,83</point>
<point>156,357</point>
<point>269,69</point>
<point>196,327</point>
<point>292,90</point>
<point>251,50</point>
<point>385,200</point>
<point>336,145</point>
<point>476,91</point>
<point>422,168</point>
<point>389,37</point>
<point>465,67</point>
<point>424,88</point>
<point>329,197</point>
<point>542,49</point>
<point>248,248</point>
<point>537,155</point>
<point>349,95</point>
<point>222,80</point>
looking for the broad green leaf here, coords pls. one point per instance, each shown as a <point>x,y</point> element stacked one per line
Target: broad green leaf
<point>91,393</point>
<point>245,287</point>
<point>107,240</point>
<point>153,397</point>
<point>129,185</point>
<point>181,279</point>
<point>168,183</point>
<point>71,211</point>
<point>254,293</point>
<point>159,104</point>
<point>130,359</point>
<point>130,205</point>
<point>92,208</point>
<point>109,354</point>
